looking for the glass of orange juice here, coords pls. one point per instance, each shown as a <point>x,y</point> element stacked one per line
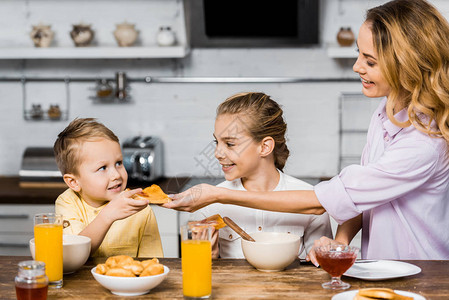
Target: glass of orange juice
<point>196,260</point>
<point>48,245</point>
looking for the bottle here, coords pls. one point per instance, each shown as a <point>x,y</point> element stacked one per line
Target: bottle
<point>54,112</point>
<point>165,37</point>
<point>31,281</point>
<point>345,37</point>
<point>104,89</point>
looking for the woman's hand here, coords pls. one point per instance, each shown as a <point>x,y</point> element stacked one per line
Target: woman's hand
<point>194,198</point>
<point>123,206</point>
<point>322,241</point>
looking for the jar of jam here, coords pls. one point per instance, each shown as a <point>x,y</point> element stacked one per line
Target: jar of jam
<point>31,281</point>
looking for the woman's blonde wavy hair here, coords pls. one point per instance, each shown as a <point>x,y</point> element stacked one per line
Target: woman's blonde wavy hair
<point>412,42</point>
<point>264,118</point>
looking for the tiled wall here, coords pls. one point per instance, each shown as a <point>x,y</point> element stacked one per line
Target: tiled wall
<point>181,114</point>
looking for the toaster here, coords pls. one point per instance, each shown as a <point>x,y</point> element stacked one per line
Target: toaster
<point>143,158</point>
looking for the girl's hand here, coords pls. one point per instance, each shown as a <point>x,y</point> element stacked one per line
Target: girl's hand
<point>123,206</point>
<point>322,241</point>
<point>194,198</point>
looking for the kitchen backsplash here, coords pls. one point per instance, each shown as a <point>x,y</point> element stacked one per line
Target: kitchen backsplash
<point>181,114</point>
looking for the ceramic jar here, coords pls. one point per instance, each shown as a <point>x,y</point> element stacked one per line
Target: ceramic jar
<point>165,36</point>
<point>125,34</point>
<point>345,37</point>
<point>82,35</point>
<point>42,35</point>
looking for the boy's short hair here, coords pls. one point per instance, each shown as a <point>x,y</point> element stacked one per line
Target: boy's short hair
<point>68,144</point>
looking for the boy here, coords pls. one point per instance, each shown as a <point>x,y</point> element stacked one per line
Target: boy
<point>96,204</point>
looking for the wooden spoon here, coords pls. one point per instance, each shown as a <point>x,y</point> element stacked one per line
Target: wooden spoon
<point>237,229</point>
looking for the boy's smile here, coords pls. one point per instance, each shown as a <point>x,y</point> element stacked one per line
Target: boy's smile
<point>101,174</point>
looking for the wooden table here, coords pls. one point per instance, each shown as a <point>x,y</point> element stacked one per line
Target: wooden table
<point>236,279</point>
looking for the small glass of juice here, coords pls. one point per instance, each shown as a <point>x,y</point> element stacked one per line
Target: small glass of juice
<point>48,249</point>
<point>196,260</point>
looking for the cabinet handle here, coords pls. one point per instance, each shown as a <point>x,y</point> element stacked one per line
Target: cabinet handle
<point>14,216</point>
<point>13,245</point>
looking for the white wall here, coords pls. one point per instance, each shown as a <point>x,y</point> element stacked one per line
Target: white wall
<point>182,114</point>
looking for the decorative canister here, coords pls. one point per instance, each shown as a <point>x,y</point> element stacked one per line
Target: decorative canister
<point>165,36</point>
<point>82,35</point>
<point>42,35</point>
<point>345,37</point>
<point>125,34</point>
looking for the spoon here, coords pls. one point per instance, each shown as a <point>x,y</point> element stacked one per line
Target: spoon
<point>237,229</point>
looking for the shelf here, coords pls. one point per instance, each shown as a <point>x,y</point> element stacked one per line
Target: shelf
<point>94,52</point>
<point>342,52</point>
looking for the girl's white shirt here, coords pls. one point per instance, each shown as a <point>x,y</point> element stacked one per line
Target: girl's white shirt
<point>310,227</point>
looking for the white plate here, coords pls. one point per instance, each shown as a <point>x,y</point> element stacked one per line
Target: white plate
<point>349,295</point>
<point>381,270</point>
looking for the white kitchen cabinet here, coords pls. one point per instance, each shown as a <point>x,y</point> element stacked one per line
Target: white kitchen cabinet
<point>17,222</point>
<point>167,221</point>
<point>16,227</point>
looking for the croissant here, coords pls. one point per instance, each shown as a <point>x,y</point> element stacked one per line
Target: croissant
<point>120,272</point>
<point>379,293</point>
<point>102,269</point>
<point>148,262</point>
<point>119,261</point>
<point>126,266</point>
<point>135,267</point>
<point>153,269</point>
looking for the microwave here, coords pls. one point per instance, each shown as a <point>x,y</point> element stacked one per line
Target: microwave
<point>252,23</point>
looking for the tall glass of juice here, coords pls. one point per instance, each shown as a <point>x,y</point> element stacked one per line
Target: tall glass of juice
<point>196,260</point>
<point>48,242</point>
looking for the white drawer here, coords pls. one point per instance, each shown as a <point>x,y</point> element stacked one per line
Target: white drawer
<point>170,244</point>
<point>20,218</point>
<point>15,244</point>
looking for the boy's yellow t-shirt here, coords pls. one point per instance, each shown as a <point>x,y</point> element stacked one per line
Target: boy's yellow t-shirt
<point>136,236</point>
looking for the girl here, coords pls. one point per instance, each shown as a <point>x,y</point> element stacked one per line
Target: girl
<point>250,138</point>
<point>399,193</point>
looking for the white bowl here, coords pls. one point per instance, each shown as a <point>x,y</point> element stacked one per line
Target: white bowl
<point>75,251</point>
<point>272,251</point>
<point>130,286</point>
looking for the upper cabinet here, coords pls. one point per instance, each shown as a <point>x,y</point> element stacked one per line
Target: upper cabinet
<point>96,29</point>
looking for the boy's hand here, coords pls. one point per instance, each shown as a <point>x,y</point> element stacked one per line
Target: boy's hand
<point>123,206</point>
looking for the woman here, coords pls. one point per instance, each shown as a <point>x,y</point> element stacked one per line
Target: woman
<point>399,193</point>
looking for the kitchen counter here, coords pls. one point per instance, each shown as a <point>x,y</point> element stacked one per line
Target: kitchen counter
<point>12,193</point>
<point>236,279</point>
